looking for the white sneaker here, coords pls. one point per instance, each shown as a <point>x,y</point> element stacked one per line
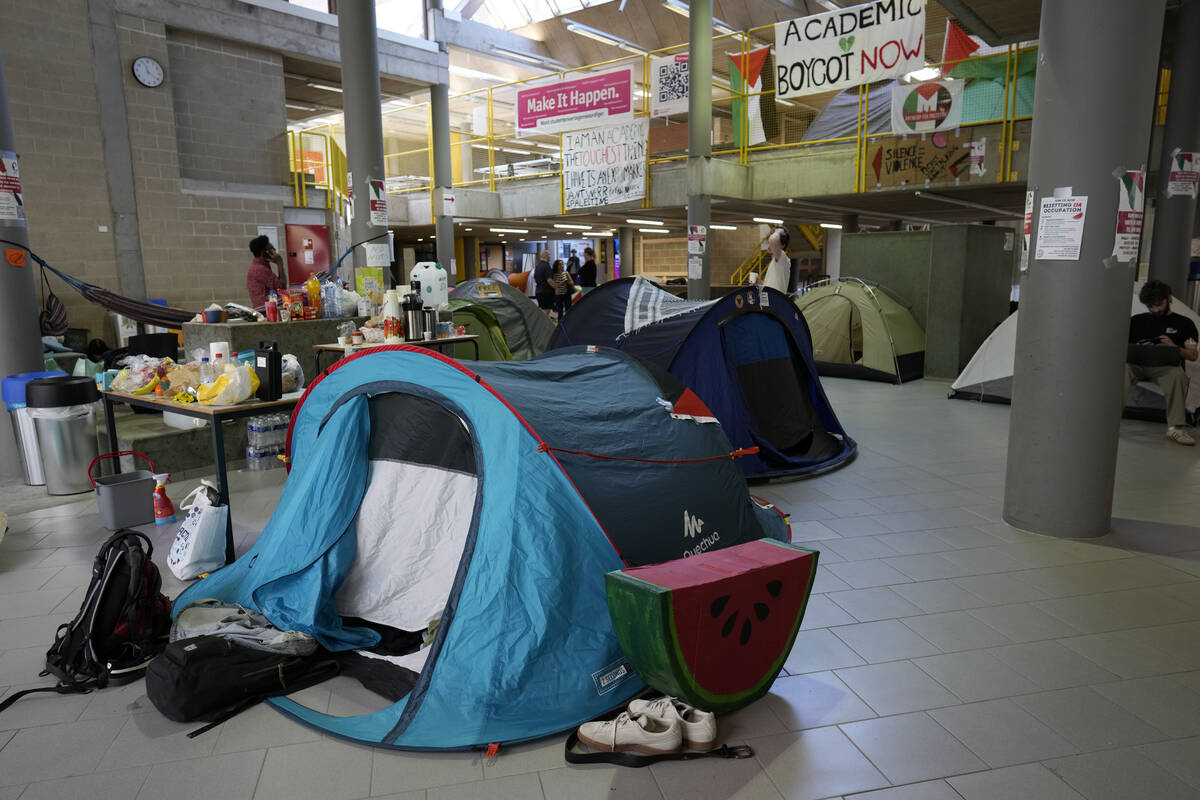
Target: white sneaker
<point>699,727</point>
<point>1180,436</point>
<point>644,734</point>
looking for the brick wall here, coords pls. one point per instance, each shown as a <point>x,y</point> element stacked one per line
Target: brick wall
<point>56,122</point>
<point>227,108</point>
<point>668,256</point>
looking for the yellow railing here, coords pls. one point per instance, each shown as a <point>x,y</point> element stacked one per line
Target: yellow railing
<point>487,149</point>
<point>315,161</point>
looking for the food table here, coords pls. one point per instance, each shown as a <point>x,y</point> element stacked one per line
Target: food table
<point>215,415</point>
<point>296,337</point>
<point>438,344</point>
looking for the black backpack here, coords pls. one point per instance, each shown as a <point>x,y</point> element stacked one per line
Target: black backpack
<point>214,678</point>
<point>122,624</point>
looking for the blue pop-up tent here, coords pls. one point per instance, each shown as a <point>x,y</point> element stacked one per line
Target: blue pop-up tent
<point>748,356</point>
<point>446,532</point>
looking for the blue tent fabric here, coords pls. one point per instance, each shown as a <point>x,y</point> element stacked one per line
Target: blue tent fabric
<point>524,646</point>
<point>713,347</point>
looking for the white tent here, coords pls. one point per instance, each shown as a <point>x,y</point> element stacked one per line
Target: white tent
<point>988,375</point>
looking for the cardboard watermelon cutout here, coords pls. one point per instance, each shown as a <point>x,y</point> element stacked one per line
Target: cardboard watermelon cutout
<point>713,630</point>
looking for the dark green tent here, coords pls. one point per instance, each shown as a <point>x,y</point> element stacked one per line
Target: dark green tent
<point>481,322</point>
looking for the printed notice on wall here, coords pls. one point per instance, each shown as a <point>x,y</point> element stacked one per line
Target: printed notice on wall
<point>12,207</point>
<point>379,211</point>
<point>1183,176</point>
<point>1060,228</point>
<point>1131,201</point>
<point>605,165</point>
<point>1026,226</point>
<point>695,268</point>
<point>697,239</point>
<point>378,255</point>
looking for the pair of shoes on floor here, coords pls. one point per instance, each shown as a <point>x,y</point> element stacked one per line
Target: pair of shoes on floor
<point>1180,436</point>
<point>653,727</point>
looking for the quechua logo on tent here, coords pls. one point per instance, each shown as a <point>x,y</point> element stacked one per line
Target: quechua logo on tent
<point>693,527</point>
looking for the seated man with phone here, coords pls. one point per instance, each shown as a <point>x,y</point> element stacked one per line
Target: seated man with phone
<point>1159,343</point>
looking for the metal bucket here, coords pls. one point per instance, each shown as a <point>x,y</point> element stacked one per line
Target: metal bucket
<point>67,443</point>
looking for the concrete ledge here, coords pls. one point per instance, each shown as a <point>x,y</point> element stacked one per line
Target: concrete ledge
<point>249,191</point>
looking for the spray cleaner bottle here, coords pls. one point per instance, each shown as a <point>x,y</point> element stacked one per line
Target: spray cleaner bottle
<point>164,510</point>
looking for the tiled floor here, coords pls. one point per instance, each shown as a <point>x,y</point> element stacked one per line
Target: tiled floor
<point>944,656</point>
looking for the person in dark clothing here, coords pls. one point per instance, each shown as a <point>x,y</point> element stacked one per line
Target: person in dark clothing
<point>587,273</point>
<point>542,289</point>
<point>573,266</point>
<point>563,287</point>
<point>1163,331</point>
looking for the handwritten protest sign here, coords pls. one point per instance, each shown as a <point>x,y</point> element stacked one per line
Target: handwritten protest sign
<point>601,99</point>
<point>605,165</point>
<point>917,160</point>
<point>839,49</point>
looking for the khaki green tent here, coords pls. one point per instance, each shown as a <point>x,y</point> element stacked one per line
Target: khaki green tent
<point>859,330</point>
<point>481,322</point>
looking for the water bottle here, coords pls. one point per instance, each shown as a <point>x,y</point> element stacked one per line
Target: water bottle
<point>206,370</point>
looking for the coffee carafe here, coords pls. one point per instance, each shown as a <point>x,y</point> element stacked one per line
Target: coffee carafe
<point>414,328</point>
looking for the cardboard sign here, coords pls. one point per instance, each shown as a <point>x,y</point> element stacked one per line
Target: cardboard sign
<point>602,99</point>
<point>839,49</point>
<point>605,165</point>
<point>911,160</point>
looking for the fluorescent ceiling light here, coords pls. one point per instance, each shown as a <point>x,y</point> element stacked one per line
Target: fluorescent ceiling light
<point>653,230</point>
<point>605,38</point>
<point>833,226</point>
<point>925,74</point>
<point>643,222</point>
<point>768,221</point>
<point>516,151</point>
<point>468,229</point>
<point>299,106</point>
<point>528,58</point>
<point>509,230</point>
<point>599,233</point>
<point>568,227</point>
<point>329,87</point>
<point>723,227</point>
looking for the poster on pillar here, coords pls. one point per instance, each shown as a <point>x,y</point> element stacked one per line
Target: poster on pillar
<point>1060,227</point>
<point>1131,200</point>
<point>12,207</point>
<point>848,47</point>
<point>1184,176</point>
<point>920,161</point>
<point>602,99</point>
<point>668,85</point>
<point>379,203</point>
<point>604,165</point>
<point>926,107</point>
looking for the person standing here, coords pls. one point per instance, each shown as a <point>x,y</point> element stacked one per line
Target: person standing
<point>1172,338</point>
<point>573,266</point>
<point>587,272</point>
<point>542,290</point>
<point>779,272</point>
<point>560,279</point>
<point>260,279</point>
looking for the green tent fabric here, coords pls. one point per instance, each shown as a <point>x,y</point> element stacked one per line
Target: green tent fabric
<point>481,322</point>
<point>860,331</point>
<point>984,95</point>
<point>527,330</point>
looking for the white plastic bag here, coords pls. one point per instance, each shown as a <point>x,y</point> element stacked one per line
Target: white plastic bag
<point>199,545</point>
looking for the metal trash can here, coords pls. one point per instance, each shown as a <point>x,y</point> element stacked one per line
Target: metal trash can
<point>64,417</point>
<point>12,390</point>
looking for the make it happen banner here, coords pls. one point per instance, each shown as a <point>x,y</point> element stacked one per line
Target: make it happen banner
<point>602,99</point>
<point>840,49</point>
<point>604,165</point>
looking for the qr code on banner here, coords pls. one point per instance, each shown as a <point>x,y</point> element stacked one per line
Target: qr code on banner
<point>672,81</point>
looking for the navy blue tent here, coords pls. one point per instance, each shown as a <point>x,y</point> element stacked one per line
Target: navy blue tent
<point>446,531</point>
<point>748,356</point>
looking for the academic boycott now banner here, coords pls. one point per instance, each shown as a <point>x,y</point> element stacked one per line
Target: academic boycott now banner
<point>601,99</point>
<point>605,165</point>
<point>839,49</point>
<point>926,107</point>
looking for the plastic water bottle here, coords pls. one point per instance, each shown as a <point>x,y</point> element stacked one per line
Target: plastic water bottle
<point>206,370</point>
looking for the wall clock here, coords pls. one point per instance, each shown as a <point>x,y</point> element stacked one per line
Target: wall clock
<point>148,71</point>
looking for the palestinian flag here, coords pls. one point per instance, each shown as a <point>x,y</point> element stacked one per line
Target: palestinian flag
<point>753,73</point>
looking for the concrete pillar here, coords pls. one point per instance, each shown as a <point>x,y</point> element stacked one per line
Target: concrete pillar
<point>358,42</point>
<point>832,257</point>
<point>849,223</point>
<point>439,110</point>
<point>700,22</point>
<point>19,331</point>
<point>1174,216</point>
<point>1072,330</point>
<point>626,242</point>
